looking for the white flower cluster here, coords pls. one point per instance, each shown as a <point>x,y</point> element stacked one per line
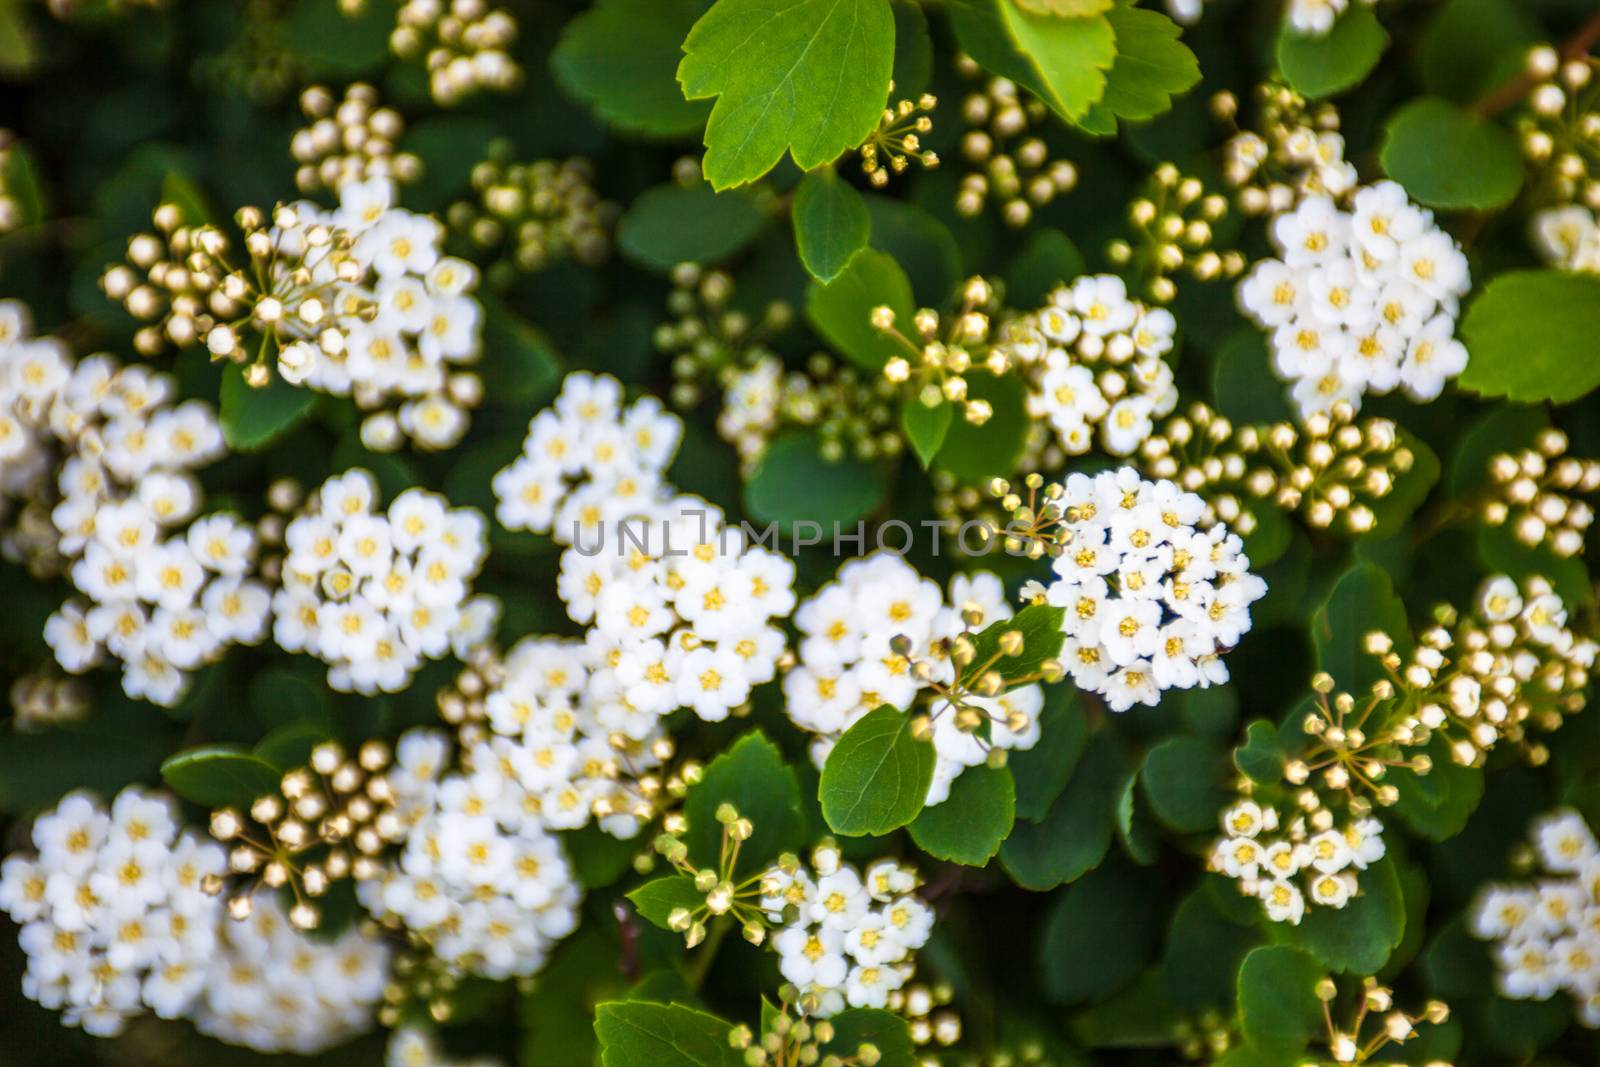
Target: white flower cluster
<point>114,913</point>
<point>1315,18</point>
<point>751,406</point>
<point>1547,935</point>
<point>272,989</point>
<point>545,715</point>
<point>847,939</point>
<point>1568,238</point>
<point>164,594</point>
<point>1267,863</point>
<point>847,668</point>
<point>587,462</point>
<point>1151,601</point>
<point>1310,158</point>
<point>371,308</point>
<point>1093,358</point>
<point>374,594</point>
<point>680,608</point>
<point>481,880</point>
<point>1362,301</point>
<point>413,1046</point>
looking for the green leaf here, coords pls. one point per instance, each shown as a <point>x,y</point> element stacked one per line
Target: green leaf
<point>289,747</point>
<point>1074,836</point>
<point>809,77</point>
<point>1041,772</point>
<point>925,427</point>
<point>634,1032</point>
<point>1471,46</point>
<point>18,49</point>
<point>1182,780</point>
<point>913,50</point>
<point>753,777</point>
<point>519,362</point>
<point>1447,157</point>
<point>1438,804</point>
<point>876,778</point>
<point>38,769</point>
<point>975,453</point>
<point>831,224</point>
<point>178,189</point>
<point>1242,381</point>
<point>1152,66</point>
<point>660,897</point>
<point>793,483</point>
<point>1532,335</point>
<point>983,34</point>
<point>1277,991</point>
<point>887,1032</point>
<point>254,418</point>
<point>1261,757</point>
<point>1100,933</point>
<point>597,858</point>
<point>215,776</point>
<point>1047,261</point>
<point>1362,600</point>
<point>1135,827</point>
<point>1070,55</point>
<point>1204,950</point>
<point>972,822</point>
<point>621,58</point>
<point>19,176</point>
<point>921,244</point>
<point>672,224</point>
<point>557,1017</point>
<point>1359,937</point>
<point>841,310</point>
<point>1042,636</point>
<point>1335,61</point>
<point>330,43</point>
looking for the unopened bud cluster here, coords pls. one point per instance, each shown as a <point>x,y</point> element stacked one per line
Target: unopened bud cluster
<point>1374,1023</point>
<point>724,897</point>
<point>1560,125</point>
<point>1205,1038</point>
<point>1298,151</point>
<point>47,700</point>
<point>1011,165</point>
<point>348,140</point>
<point>1356,742</point>
<point>421,981</point>
<point>465,44</point>
<point>1173,233</point>
<point>534,214</point>
<point>897,142</point>
<point>329,820</point>
<point>1533,495</point>
<point>940,353</point>
<point>790,1039</point>
<point>1514,664</point>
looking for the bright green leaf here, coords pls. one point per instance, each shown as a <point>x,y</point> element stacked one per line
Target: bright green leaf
<point>1278,1006</point>
<point>841,310</point>
<point>1531,335</point>
<point>621,58</point>
<point>1071,56</point>
<point>215,776</point>
<point>1041,628</point>
<point>634,1032</point>
<point>1447,157</point>
<point>658,898</point>
<point>1152,66</point>
<point>752,776</point>
<point>925,427</point>
<point>254,418</point>
<point>969,825</point>
<point>831,224</point>
<point>876,778</point>
<point>889,1033</point>
<point>793,483</point>
<point>809,77</point>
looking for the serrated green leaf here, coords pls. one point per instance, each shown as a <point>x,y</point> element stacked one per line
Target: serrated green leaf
<point>1531,335</point>
<point>974,453</point>
<point>672,224</point>
<point>1152,65</point>
<point>807,77</point>
<point>793,483</point>
<point>925,427</point>
<point>1325,64</point>
<point>841,310</point>
<point>752,776</point>
<point>254,418</point>
<point>1278,1006</point>
<point>215,776</point>
<point>876,778</point>
<point>660,897</point>
<point>1447,157</point>
<point>831,224</point>
<point>621,58</point>
<point>1071,56</point>
<point>972,822</point>
<point>1361,601</point>
<point>635,1032</point>
<point>885,1031</point>
<point>1042,637</point>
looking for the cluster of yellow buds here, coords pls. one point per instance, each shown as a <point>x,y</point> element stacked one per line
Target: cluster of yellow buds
<point>958,500</point>
<point>709,341</point>
<point>1358,1041</point>
<point>1560,125</point>
<point>535,213</point>
<point>348,140</point>
<point>328,821</point>
<point>926,1008</point>
<point>1298,151</point>
<point>1511,665</point>
<point>974,695</point>
<point>1533,492</point>
<point>897,142</point>
<point>28,535</point>
<point>936,365</point>
<point>48,699</point>
<point>723,898</point>
<point>790,1039</point>
<point>419,979</point>
<point>466,45</point>
<point>1173,232</point>
<point>1356,742</point>
<point>1332,470</point>
<point>1206,1037</point>
<point>1012,166</point>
